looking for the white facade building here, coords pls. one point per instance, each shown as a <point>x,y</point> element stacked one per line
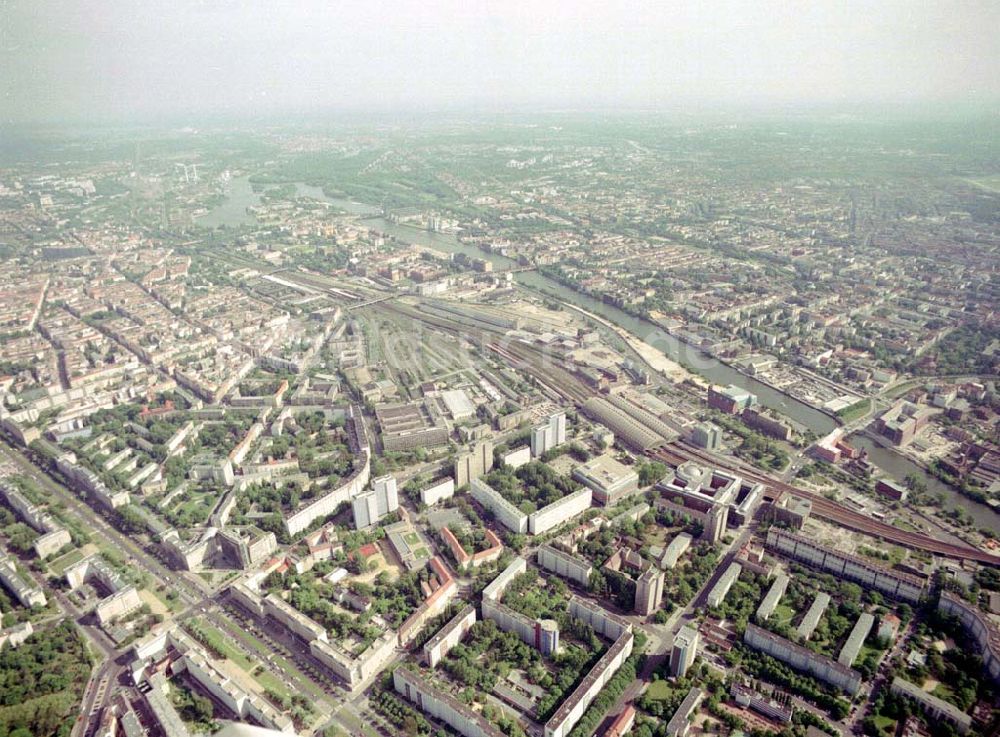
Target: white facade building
<point>376,504</point>
<point>438,492</point>
<point>549,435</point>
<point>559,511</point>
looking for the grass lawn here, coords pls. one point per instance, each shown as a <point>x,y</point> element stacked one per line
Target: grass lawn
<point>412,538</point>
<point>271,682</point>
<point>855,411</point>
<point>220,643</point>
<point>259,647</point>
<point>357,726</point>
<point>885,724</point>
<point>174,605</point>
<point>867,651</point>
<point>783,614</point>
<point>659,690</point>
<point>944,692</point>
<point>59,565</point>
<point>901,389</point>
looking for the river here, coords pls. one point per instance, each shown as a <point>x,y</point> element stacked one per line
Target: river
<point>688,356</point>
<point>712,369</point>
<point>242,196</point>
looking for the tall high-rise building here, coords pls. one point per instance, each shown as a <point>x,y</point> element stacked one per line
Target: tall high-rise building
<point>372,506</point>
<point>547,436</point>
<point>684,650</point>
<point>386,494</point>
<point>707,435</point>
<point>475,463</point>
<point>715,524</point>
<point>648,591</point>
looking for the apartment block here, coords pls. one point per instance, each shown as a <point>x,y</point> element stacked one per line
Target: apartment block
<point>808,624</point>
<point>375,505</point>
<point>605,623</point>
<point>559,511</point>
<point>20,586</point>
<point>980,628</point>
<point>718,593</point>
<point>328,503</point>
<point>437,492</point>
<point>772,598</point>
<point>548,435</point>
<point>684,651</point>
<point>896,584</point>
<point>801,658</point>
<point>849,652</point>
<point>505,513</point>
<point>931,705</point>
<point>677,547</point>
<point>473,464</point>
<point>436,648</point>
<point>565,565</point>
<point>648,591</point>
<point>442,706</point>
<point>573,708</point>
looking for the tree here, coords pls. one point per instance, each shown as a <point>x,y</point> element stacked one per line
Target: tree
<point>132,521</point>
<point>21,537</point>
<point>202,708</point>
<point>650,473</point>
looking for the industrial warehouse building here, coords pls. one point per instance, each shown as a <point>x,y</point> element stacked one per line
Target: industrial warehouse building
<point>609,479</point>
<point>409,426</point>
<point>631,432</point>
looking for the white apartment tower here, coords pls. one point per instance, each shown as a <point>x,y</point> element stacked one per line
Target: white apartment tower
<point>684,650</point>
<point>547,436</point>
<point>372,506</point>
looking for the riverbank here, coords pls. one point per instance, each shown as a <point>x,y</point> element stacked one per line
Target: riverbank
<point>898,466</point>
<point>919,462</point>
<point>691,358</point>
<point>780,390</point>
<point>702,353</point>
<point>653,357</point>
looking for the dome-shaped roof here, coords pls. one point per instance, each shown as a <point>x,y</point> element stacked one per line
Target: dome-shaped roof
<point>692,473</point>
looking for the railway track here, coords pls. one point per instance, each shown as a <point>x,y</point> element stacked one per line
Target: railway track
<point>541,367</point>
<point>830,510</point>
<point>562,383</point>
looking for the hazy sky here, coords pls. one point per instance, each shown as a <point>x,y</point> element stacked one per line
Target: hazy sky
<point>142,59</point>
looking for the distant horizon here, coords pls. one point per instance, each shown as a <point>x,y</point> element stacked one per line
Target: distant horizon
<point>874,113</point>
